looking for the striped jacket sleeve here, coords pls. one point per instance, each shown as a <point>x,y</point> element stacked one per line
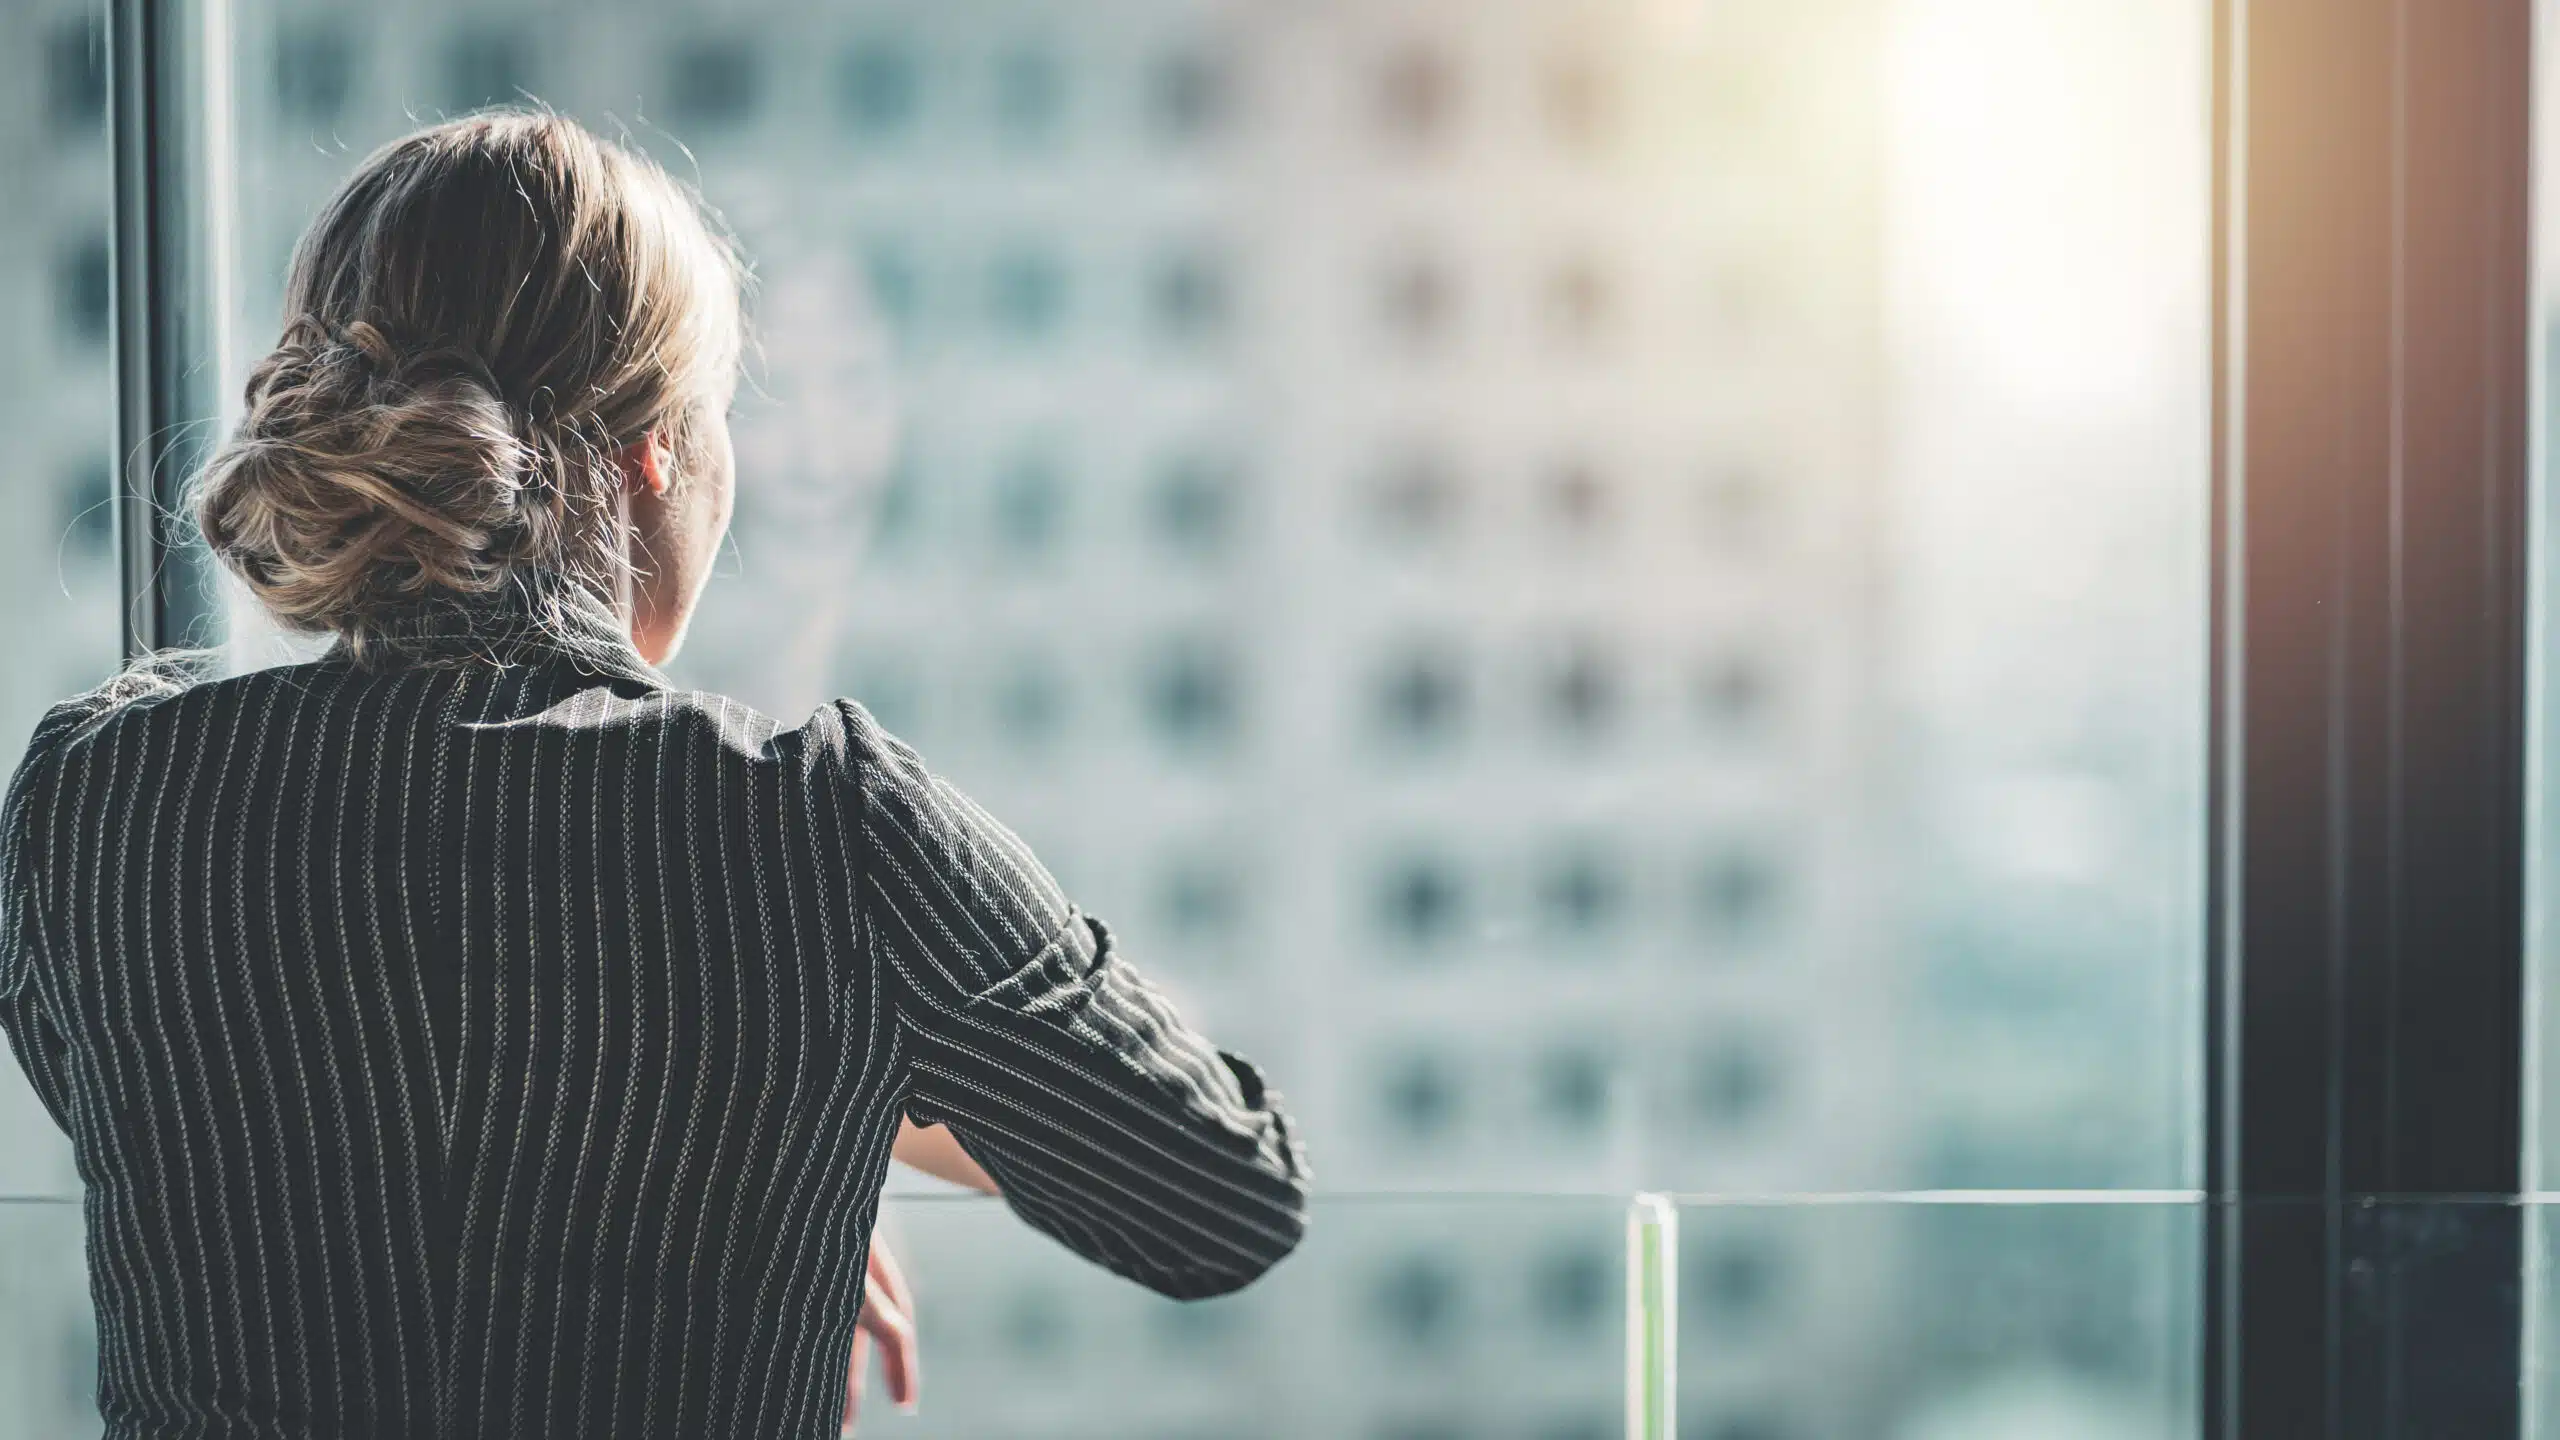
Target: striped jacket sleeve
<point>33,1035</point>
<point>1110,1124</point>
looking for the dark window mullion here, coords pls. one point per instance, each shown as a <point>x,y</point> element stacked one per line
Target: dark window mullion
<point>2369,1080</point>
<point>166,59</point>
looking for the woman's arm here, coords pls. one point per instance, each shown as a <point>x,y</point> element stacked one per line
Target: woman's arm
<point>933,1150</point>
<point>1108,1122</point>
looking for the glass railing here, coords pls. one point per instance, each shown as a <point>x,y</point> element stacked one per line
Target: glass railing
<point>1475,1316</point>
<point>1924,1315</point>
<point>49,1353</point>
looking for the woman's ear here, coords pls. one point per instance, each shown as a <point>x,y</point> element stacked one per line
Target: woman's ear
<point>647,463</point>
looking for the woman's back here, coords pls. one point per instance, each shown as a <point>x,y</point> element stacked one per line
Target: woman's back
<point>463,1048</point>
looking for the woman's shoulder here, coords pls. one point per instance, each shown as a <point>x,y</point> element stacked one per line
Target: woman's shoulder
<point>839,746</point>
<point>151,699</point>
<point>70,724</point>
<point>142,685</point>
<point>838,736</point>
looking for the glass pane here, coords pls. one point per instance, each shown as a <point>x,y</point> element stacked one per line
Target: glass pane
<point>1417,1316</point>
<point>1455,1316</point>
<point>49,1359</point>
<point>2542,1308</point>
<point>1617,589</point>
<point>1614,591</point>
<point>58,578</point>
<point>1923,1319</point>
<point>1470,1316</point>
<point>2044,522</point>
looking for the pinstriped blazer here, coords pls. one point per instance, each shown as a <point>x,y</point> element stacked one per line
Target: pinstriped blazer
<point>488,1039</point>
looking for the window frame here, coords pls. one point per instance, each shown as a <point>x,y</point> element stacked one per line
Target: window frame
<point>169,133</point>
<point>2365,1022</point>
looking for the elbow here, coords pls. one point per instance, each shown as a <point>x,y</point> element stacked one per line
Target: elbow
<point>1272,1237</point>
<point>1229,1274</point>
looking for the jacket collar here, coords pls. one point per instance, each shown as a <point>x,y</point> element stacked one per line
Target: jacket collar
<point>529,620</point>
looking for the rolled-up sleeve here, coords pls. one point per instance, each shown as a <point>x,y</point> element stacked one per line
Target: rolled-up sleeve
<point>1111,1125</point>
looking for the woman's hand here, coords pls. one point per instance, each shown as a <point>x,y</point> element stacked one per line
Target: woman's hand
<point>888,1316</point>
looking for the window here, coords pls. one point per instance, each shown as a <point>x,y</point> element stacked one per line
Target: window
<point>1573,1289</point>
<point>1420,1098</point>
<point>1417,92</point>
<point>1576,497</point>
<point>1418,1303</point>
<point>714,83</point>
<point>1196,502</point>
<point>1417,496</point>
<point>1733,692</point>
<point>1579,690</point>
<point>1206,1328</point>
<point>1580,99</point>
<point>1189,295</point>
<point>1031,703</point>
<point>1031,501</point>
<point>881,87</point>
<point>1573,1084</point>
<point>889,686</point>
<point>1580,894</point>
<point>75,75</point>
<point>1190,93</point>
<point>894,283</point>
<point>898,513</point>
<point>1201,899</point>
<point>87,526</point>
<point>1031,91</point>
<point>1733,1081</point>
<point>487,67</point>
<point>81,289</point>
<point>1418,301</point>
<point>1028,292</point>
<point>1736,1281</point>
<point>1036,1324</point>
<point>1421,695</point>
<point>315,71</point>
<point>1737,895</point>
<point>1579,301</point>
<point>1191,694</point>
<point>1421,901</point>
<point>1735,511</point>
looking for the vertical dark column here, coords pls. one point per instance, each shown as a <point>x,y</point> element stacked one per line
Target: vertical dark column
<point>2370,1081</point>
<point>169,112</point>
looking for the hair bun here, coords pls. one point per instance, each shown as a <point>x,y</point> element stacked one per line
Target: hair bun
<point>365,477</point>
<point>478,320</point>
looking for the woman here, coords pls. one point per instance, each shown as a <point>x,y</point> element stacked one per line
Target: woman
<point>468,1034</point>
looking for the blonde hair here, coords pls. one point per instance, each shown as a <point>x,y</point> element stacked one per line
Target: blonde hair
<point>481,316</point>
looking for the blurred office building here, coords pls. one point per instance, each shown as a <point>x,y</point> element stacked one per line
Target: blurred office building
<point>1403,506</point>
